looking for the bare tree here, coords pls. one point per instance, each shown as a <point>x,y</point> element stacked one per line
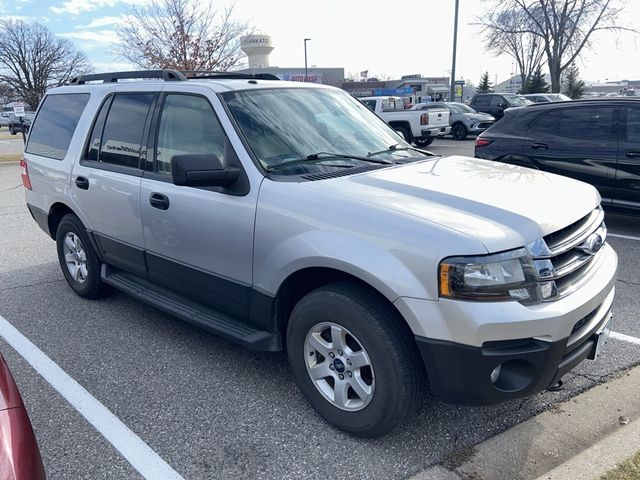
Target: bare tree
<point>181,35</point>
<point>564,27</point>
<point>33,59</point>
<point>503,35</point>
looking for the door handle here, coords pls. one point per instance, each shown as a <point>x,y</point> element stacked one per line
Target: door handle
<point>158,200</point>
<point>539,146</point>
<point>82,183</point>
<point>632,155</point>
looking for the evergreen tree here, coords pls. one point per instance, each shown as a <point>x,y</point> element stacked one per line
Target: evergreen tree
<point>485,84</point>
<point>573,86</point>
<point>537,83</point>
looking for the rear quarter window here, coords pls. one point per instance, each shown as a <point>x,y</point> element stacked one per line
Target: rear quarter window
<point>55,124</point>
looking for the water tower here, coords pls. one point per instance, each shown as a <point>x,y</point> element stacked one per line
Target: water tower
<point>257,48</point>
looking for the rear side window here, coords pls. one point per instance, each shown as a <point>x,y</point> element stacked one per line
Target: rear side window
<point>547,123</point>
<point>588,123</point>
<point>482,101</point>
<point>123,130</point>
<point>633,125</point>
<point>55,124</point>
<point>591,123</point>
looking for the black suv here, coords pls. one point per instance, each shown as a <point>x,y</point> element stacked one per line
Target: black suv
<point>596,141</point>
<point>496,103</point>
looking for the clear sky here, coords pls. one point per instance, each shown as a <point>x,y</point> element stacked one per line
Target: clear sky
<point>384,37</point>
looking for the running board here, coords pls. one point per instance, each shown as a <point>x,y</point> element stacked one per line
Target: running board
<point>190,310</point>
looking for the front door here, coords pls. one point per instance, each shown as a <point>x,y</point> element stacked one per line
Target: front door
<point>199,241</point>
<point>627,194</point>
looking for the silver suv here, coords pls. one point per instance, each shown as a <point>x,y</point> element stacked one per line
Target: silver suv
<point>287,216</point>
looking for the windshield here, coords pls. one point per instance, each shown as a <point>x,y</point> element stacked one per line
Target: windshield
<point>460,108</point>
<point>283,125</point>
<point>518,100</point>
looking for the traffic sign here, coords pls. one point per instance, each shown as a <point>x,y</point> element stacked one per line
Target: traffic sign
<point>18,109</point>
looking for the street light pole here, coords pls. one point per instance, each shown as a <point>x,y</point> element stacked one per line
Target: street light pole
<point>452,90</point>
<point>306,76</point>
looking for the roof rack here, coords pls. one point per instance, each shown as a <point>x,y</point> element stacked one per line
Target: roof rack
<point>215,75</point>
<point>112,77</point>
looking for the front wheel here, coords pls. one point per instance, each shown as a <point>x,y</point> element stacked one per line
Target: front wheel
<point>424,142</point>
<point>459,132</point>
<point>11,130</point>
<point>354,359</point>
<point>78,260</point>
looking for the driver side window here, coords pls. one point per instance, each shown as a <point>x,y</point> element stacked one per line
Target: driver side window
<point>188,125</point>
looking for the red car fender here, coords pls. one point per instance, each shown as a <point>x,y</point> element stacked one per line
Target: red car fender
<point>19,453</point>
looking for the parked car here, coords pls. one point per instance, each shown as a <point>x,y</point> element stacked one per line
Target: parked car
<point>547,97</point>
<point>496,103</point>
<point>419,128</point>
<point>15,126</point>
<point>463,119</point>
<point>19,453</point>
<point>4,119</point>
<point>596,141</point>
<point>274,214</point>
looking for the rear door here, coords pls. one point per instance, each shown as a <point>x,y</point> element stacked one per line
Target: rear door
<point>482,103</point>
<point>577,142</point>
<point>106,182</point>
<point>627,194</point>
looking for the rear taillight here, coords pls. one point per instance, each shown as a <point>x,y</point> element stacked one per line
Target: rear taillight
<point>483,142</point>
<point>424,119</point>
<point>24,173</point>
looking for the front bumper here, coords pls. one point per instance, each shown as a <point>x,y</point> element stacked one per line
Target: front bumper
<point>463,342</point>
<point>463,374</point>
<point>478,127</point>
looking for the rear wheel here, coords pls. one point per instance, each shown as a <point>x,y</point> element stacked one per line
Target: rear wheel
<point>11,130</point>
<point>404,131</point>
<point>424,142</point>
<point>459,131</point>
<point>354,359</point>
<point>78,260</point>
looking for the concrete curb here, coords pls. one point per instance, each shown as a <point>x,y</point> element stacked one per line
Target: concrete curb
<point>580,438</point>
<point>600,458</point>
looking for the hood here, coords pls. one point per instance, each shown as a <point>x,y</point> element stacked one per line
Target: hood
<point>503,206</point>
<point>480,116</point>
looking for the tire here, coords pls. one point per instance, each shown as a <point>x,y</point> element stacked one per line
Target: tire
<point>459,131</point>
<point>405,133</point>
<point>86,282</point>
<point>11,130</point>
<point>393,382</point>
<point>424,142</point>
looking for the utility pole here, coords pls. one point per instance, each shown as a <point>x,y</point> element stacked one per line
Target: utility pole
<point>306,75</point>
<point>452,81</point>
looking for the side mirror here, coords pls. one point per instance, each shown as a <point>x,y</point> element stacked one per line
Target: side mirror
<point>202,170</point>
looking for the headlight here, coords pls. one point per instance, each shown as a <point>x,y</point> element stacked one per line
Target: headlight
<point>498,277</point>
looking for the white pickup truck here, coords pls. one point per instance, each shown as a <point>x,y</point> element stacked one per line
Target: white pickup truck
<point>419,127</point>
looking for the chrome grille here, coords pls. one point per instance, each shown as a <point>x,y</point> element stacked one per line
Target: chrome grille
<point>567,256</point>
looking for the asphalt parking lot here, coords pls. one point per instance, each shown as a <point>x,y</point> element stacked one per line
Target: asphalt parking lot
<point>212,409</point>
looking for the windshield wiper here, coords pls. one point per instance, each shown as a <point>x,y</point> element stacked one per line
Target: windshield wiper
<point>320,156</point>
<point>397,148</point>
